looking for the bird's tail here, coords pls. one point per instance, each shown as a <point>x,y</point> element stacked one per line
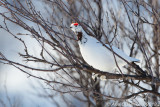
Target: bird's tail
<point>134,59</point>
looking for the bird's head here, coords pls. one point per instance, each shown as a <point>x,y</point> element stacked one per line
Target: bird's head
<point>77,29</point>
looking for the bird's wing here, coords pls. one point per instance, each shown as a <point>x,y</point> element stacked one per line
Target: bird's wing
<point>123,55</point>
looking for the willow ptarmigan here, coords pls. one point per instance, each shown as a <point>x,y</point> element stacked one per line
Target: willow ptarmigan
<point>97,55</point>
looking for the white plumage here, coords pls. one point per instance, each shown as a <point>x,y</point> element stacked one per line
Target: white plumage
<point>97,55</point>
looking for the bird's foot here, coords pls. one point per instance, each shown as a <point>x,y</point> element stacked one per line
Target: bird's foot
<point>96,76</point>
<point>102,77</point>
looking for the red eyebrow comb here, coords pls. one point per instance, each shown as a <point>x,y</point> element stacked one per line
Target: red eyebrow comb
<point>76,24</point>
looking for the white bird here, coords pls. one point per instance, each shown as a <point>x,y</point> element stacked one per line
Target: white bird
<point>97,55</point>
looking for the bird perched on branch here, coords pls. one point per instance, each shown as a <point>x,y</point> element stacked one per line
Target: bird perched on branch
<point>99,56</point>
